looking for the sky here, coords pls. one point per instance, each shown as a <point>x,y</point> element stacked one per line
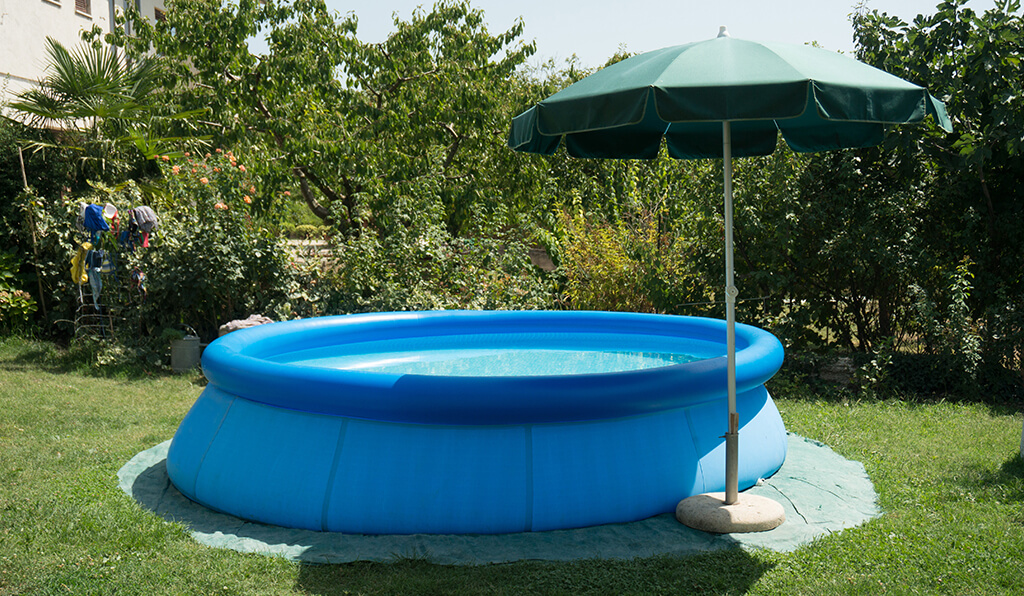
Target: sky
<point>594,30</point>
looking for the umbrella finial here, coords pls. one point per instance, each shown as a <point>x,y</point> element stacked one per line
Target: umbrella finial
<point>723,32</point>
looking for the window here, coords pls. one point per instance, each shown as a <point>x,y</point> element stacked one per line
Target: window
<point>83,7</point>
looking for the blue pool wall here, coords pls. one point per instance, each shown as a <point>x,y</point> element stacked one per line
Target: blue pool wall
<point>553,467</point>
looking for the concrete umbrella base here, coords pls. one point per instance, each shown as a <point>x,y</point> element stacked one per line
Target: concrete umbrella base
<point>750,513</point>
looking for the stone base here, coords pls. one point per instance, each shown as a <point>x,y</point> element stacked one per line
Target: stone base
<point>750,513</point>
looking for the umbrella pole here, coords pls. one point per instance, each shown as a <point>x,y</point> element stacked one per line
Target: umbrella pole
<point>732,435</point>
<point>711,512</point>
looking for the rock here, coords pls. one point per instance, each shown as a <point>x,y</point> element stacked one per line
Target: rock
<point>841,370</point>
<point>540,258</point>
<point>235,325</point>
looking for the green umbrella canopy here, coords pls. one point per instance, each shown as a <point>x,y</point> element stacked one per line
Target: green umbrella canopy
<point>818,99</point>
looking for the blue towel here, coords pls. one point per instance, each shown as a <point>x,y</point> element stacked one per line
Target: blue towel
<point>94,219</point>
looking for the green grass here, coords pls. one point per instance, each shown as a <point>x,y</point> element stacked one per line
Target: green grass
<point>948,475</point>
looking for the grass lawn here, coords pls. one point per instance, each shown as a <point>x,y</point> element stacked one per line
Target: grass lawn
<point>949,478</point>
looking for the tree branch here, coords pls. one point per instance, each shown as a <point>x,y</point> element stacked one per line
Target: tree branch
<point>347,199</point>
<point>403,80</point>
<point>307,194</point>
<point>453,148</point>
<point>303,173</point>
<point>990,223</point>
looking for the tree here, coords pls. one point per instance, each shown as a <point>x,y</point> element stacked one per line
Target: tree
<point>373,135</point>
<point>972,205</point>
<point>834,239</point>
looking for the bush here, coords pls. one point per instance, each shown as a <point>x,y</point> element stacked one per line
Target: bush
<point>307,232</point>
<point>214,261</point>
<point>426,269</point>
<point>45,236</point>
<point>952,336</point>
<point>1004,335</point>
<point>950,353</point>
<point>637,267</point>
<point>16,305</point>
<point>37,231</point>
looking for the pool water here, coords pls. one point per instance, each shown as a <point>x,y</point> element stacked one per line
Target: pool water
<point>500,363</point>
<point>499,355</point>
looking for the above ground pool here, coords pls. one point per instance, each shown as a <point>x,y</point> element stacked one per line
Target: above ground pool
<point>484,422</point>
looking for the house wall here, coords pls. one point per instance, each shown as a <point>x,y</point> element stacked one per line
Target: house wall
<point>25,25</point>
<point>147,8</point>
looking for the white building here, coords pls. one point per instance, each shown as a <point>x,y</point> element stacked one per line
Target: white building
<point>25,25</point>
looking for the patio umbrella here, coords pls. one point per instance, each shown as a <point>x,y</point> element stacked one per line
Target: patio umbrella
<point>724,98</point>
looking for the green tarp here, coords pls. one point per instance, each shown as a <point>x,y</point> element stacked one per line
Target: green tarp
<point>821,492</point>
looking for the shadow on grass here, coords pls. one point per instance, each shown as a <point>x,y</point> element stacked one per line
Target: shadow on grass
<point>912,378</point>
<point>88,358</point>
<point>1009,479</point>
<point>22,354</point>
<point>984,483</point>
<point>733,571</point>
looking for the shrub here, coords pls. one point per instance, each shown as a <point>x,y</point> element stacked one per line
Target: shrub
<point>952,337</point>
<point>949,354</point>
<point>426,269</point>
<point>214,260</point>
<point>44,233</point>
<point>638,267</point>
<point>16,305</point>
<point>307,231</point>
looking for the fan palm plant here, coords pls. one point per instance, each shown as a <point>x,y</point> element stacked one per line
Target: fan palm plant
<point>102,105</point>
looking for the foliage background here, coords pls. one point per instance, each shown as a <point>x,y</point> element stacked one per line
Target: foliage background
<point>905,257</point>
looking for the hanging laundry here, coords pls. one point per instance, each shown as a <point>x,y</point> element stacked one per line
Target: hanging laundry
<point>78,264</point>
<point>94,222</point>
<point>93,219</point>
<point>94,263</point>
<point>148,222</point>
<point>146,218</point>
<point>139,281</point>
<point>96,284</point>
<point>110,212</point>
<point>107,261</point>
<point>130,234</point>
